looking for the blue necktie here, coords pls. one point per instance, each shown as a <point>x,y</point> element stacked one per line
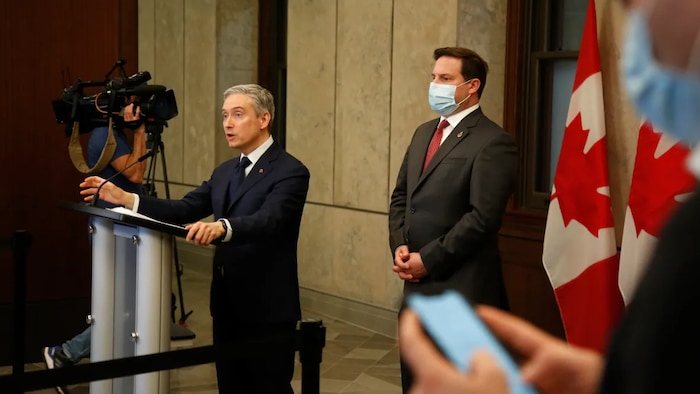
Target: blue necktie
<point>238,176</point>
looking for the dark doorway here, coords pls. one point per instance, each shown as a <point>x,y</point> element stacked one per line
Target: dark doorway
<point>272,59</point>
<point>48,45</point>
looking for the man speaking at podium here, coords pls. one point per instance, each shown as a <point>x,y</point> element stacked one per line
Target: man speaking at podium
<point>257,200</point>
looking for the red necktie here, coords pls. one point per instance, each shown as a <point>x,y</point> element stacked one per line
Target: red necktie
<point>435,142</point>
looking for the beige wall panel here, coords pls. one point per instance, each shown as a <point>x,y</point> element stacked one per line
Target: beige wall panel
<point>147,36</point>
<point>237,36</point>
<point>344,252</point>
<point>311,65</point>
<point>199,110</point>
<point>236,58</point>
<point>177,190</point>
<point>361,259</point>
<point>168,71</point>
<point>316,248</point>
<point>419,27</point>
<point>363,92</point>
<point>482,28</point>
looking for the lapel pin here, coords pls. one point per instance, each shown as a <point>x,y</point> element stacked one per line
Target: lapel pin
<point>460,134</point>
<point>260,171</point>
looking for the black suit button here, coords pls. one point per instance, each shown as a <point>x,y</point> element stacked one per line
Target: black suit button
<point>413,210</point>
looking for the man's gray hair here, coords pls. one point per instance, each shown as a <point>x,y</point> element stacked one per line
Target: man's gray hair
<point>262,98</point>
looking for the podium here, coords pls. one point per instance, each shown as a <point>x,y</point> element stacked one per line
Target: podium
<point>131,293</point>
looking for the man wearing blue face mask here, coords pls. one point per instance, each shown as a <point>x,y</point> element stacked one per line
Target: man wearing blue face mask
<point>664,88</point>
<point>451,191</point>
<point>655,348</point>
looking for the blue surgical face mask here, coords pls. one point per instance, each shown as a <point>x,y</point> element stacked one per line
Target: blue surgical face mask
<point>670,99</point>
<point>442,97</point>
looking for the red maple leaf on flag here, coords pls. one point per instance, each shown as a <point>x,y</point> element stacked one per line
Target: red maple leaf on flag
<point>578,177</point>
<point>657,181</point>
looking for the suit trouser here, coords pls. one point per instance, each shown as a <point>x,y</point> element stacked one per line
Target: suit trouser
<point>264,372</point>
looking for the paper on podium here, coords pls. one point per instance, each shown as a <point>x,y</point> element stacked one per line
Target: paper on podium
<point>126,211</point>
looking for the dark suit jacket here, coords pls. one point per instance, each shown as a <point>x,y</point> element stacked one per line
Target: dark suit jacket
<point>655,348</point>
<point>451,213</point>
<point>260,262</point>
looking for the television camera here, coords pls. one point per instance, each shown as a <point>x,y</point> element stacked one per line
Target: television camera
<point>157,103</point>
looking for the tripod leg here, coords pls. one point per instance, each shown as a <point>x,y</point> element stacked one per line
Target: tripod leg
<point>178,272</point>
<point>173,306</point>
<point>178,269</point>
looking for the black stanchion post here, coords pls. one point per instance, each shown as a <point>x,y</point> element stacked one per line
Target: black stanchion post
<point>20,244</point>
<point>313,339</point>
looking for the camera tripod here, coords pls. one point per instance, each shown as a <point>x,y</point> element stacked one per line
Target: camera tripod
<point>154,132</point>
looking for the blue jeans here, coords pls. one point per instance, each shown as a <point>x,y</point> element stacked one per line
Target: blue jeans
<point>78,347</point>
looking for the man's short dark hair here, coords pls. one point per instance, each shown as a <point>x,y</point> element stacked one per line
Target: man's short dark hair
<point>473,66</point>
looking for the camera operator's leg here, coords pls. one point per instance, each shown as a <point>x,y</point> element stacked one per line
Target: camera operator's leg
<point>78,347</point>
<point>67,354</point>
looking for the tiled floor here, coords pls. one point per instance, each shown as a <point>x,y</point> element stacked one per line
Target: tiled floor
<point>354,360</point>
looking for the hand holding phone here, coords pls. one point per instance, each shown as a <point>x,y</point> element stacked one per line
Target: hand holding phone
<point>458,332</point>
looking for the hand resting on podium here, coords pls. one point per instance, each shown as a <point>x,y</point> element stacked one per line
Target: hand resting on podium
<point>200,233</point>
<point>109,192</point>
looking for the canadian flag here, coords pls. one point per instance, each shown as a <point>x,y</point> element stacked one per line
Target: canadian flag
<point>580,253</point>
<point>660,181</point>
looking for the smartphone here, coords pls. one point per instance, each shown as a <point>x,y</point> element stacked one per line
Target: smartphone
<point>458,332</point>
